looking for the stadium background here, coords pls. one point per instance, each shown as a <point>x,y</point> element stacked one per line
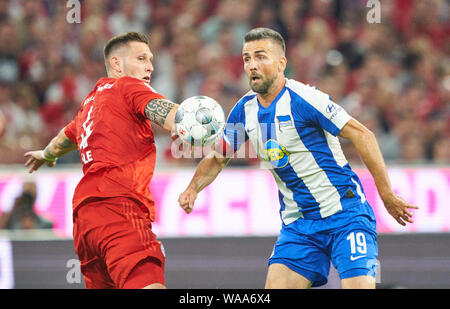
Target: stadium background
<point>394,76</point>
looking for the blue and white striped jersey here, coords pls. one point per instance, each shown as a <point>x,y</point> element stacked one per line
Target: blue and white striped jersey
<point>296,137</point>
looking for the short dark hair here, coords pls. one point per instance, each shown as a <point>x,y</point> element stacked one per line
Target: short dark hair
<point>122,39</point>
<point>265,33</point>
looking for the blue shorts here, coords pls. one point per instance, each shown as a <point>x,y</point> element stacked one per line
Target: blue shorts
<point>348,238</point>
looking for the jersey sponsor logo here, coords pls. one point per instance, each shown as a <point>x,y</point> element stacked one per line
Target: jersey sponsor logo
<point>276,154</point>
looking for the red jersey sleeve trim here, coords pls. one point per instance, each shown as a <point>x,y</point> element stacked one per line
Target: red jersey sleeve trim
<point>71,132</point>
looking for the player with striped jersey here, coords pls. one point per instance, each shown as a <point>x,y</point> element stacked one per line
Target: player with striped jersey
<point>293,128</point>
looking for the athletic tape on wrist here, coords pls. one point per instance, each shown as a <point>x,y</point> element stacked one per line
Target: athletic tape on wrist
<point>47,158</point>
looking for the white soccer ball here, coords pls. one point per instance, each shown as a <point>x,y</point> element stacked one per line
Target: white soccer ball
<point>199,121</point>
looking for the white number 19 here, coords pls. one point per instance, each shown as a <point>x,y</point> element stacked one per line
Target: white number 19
<point>357,242</point>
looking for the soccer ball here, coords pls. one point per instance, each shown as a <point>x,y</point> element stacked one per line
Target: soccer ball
<point>199,121</point>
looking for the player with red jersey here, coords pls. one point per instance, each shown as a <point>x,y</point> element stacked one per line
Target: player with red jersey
<point>112,204</point>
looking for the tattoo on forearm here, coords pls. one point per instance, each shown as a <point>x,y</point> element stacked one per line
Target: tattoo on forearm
<point>48,155</point>
<point>58,148</point>
<point>158,109</point>
<point>65,144</point>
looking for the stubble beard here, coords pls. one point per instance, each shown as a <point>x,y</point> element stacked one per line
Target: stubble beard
<point>263,87</point>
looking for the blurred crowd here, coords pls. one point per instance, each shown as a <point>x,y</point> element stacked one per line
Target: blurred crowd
<point>393,76</point>
<point>23,215</point>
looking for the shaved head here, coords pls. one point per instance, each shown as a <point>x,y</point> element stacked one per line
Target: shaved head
<point>118,42</point>
<point>264,34</point>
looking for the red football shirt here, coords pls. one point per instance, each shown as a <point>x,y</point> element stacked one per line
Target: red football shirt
<point>116,142</point>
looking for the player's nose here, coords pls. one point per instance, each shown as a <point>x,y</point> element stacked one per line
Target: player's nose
<point>149,67</point>
<point>251,65</point>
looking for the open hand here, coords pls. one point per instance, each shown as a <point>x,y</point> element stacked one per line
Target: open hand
<point>36,159</point>
<point>399,209</point>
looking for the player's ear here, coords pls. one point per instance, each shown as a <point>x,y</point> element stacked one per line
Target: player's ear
<point>115,64</point>
<point>282,64</point>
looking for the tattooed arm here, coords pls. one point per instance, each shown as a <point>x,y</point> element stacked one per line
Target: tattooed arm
<point>59,146</point>
<point>161,112</point>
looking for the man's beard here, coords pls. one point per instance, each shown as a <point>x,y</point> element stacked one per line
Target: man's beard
<point>262,88</point>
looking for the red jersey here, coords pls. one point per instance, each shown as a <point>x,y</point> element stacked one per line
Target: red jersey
<point>116,142</point>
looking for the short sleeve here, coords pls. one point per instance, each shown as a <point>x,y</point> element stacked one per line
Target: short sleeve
<point>70,131</point>
<point>320,110</point>
<point>234,133</point>
<point>138,93</point>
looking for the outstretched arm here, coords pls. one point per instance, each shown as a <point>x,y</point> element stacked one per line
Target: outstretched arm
<point>207,170</point>
<point>162,112</point>
<point>367,146</point>
<point>58,146</point>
